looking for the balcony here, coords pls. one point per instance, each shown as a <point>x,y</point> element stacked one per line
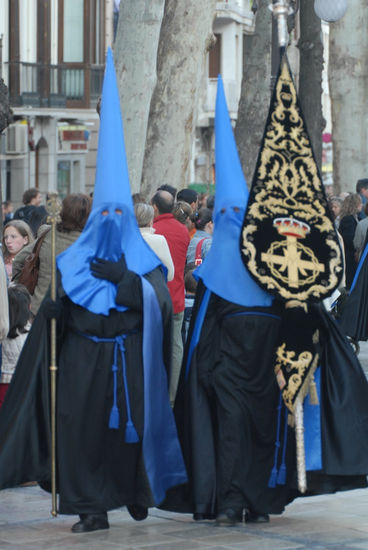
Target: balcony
<point>235,10</point>
<point>52,86</point>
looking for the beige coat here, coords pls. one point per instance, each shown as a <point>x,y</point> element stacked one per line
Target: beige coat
<point>4,309</point>
<point>63,241</point>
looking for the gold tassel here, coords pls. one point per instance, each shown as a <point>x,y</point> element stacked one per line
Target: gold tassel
<point>313,395</point>
<point>291,420</point>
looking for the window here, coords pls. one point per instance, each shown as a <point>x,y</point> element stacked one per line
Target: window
<point>81,50</point>
<point>214,68</point>
<point>73,31</point>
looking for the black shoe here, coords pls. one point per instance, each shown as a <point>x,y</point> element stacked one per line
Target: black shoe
<point>255,517</point>
<point>91,522</point>
<point>139,513</point>
<point>203,517</point>
<point>229,517</point>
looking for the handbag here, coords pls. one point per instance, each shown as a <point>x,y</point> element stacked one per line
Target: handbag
<point>198,251</point>
<point>29,274</point>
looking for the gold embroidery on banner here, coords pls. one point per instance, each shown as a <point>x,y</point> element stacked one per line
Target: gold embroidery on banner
<point>289,185</point>
<point>301,367</point>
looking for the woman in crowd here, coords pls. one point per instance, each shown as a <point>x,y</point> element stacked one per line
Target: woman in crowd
<point>74,213</point>
<point>200,244</point>
<point>335,206</point>
<point>183,212</point>
<point>350,208</point>
<point>17,234</point>
<point>144,214</point>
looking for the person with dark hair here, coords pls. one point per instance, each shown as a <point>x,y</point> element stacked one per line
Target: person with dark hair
<point>190,290</point>
<point>190,196</point>
<point>362,190</point>
<point>74,213</point>
<point>138,198</point>
<point>360,234</point>
<point>166,187</point>
<point>211,202</point>
<point>19,302</point>
<point>200,244</point>
<point>162,202</point>
<point>177,237</point>
<point>32,212</point>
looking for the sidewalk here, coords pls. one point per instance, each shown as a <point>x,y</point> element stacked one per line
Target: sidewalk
<point>334,522</point>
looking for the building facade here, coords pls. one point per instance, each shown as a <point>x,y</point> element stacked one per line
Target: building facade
<point>52,56</point>
<point>234,19</point>
<point>52,60</point>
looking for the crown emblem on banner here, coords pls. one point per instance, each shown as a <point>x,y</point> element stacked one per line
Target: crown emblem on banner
<point>289,227</point>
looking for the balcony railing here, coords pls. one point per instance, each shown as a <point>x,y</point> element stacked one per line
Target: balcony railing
<point>42,85</point>
<point>231,93</point>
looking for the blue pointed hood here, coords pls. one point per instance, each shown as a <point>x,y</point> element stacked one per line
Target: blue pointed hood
<point>223,271</point>
<point>111,228</point>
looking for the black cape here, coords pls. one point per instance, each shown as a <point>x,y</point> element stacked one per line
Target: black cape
<point>96,469</point>
<point>354,314</point>
<point>344,409</point>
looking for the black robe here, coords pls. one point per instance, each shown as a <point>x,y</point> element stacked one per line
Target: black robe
<point>96,469</point>
<point>229,393</point>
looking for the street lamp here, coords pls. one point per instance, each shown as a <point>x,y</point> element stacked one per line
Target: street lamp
<point>281,9</point>
<point>330,10</point>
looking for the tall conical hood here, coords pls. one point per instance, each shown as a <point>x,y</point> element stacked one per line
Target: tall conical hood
<point>111,228</point>
<point>223,270</point>
<point>112,177</point>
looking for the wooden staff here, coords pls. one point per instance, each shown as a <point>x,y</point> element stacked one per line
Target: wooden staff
<point>53,207</point>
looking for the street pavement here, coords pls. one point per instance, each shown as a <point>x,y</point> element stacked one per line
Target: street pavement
<point>328,522</point>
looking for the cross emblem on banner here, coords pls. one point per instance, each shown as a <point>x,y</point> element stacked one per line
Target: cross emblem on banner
<point>290,259</point>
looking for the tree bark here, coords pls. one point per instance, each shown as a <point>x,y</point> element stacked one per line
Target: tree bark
<point>6,113</point>
<point>348,80</point>
<point>135,52</point>
<point>186,32</point>
<point>255,92</point>
<point>310,76</point>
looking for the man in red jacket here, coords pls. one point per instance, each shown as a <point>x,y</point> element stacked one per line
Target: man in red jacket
<point>177,237</point>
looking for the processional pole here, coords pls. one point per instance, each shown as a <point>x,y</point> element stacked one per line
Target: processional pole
<point>53,207</point>
<point>281,9</point>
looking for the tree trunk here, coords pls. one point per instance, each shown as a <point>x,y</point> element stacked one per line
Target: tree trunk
<point>255,92</point>
<point>6,115</point>
<point>310,76</point>
<point>135,53</point>
<point>348,80</point>
<point>186,32</point>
